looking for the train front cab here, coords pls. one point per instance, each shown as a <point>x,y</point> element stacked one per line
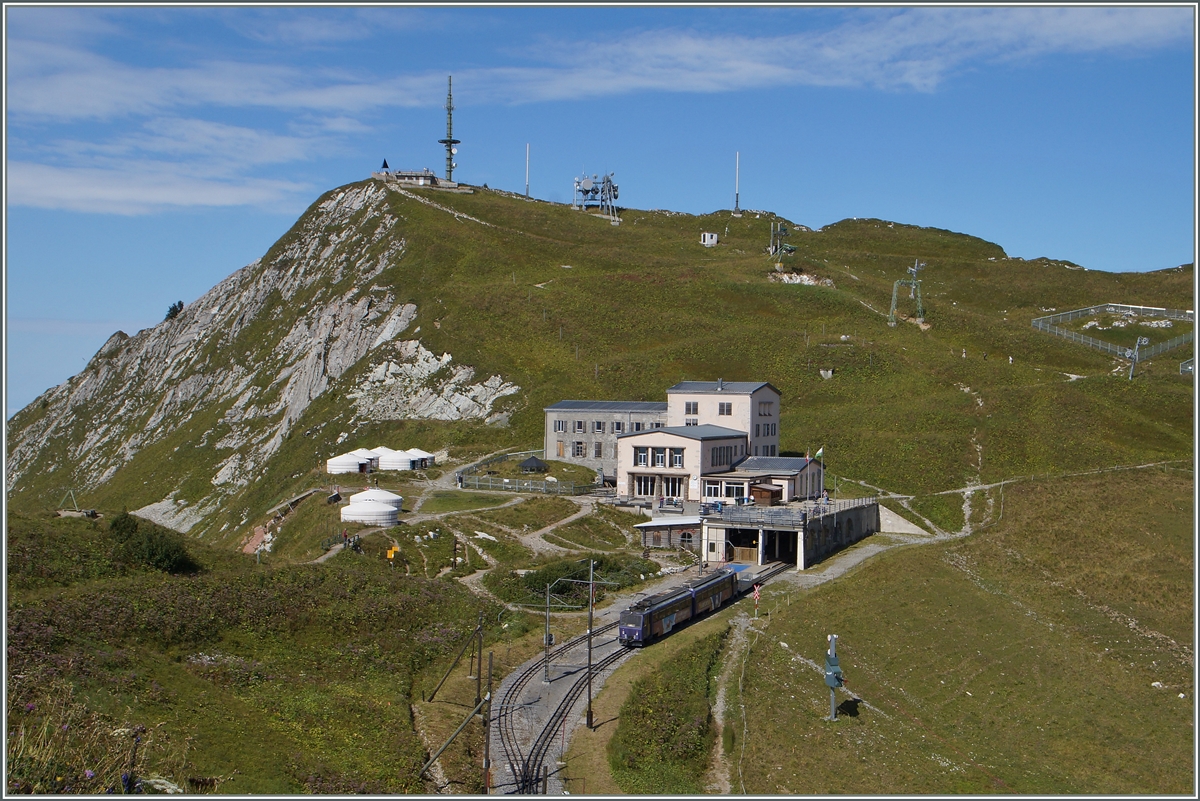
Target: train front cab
<point>632,628</point>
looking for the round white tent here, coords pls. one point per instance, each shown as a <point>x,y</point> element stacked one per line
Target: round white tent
<point>383,450</point>
<point>396,460</point>
<point>372,512</point>
<point>380,495</point>
<point>368,455</point>
<point>346,463</point>
<point>419,454</point>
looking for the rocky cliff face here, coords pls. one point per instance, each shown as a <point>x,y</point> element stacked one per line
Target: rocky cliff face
<point>232,374</point>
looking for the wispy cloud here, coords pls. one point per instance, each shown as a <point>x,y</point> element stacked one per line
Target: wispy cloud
<point>140,188</point>
<point>162,148</point>
<point>908,50</point>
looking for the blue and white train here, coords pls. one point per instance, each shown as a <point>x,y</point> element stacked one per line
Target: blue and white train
<point>657,615</point>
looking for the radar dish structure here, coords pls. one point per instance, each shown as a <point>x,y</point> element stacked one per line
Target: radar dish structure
<point>597,192</point>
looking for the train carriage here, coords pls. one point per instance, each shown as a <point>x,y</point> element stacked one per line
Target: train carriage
<point>710,593</point>
<point>658,615</point>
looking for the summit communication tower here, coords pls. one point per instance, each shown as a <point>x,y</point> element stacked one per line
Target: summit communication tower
<point>450,141</point>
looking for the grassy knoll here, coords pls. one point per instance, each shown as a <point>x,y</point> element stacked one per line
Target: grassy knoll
<point>279,679</point>
<point>529,587</point>
<point>563,471</point>
<point>440,501</point>
<point>532,514</point>
<point>606,530</point>
<point>665,733</point>
<point>1019,660</point>
<point>495,541</point>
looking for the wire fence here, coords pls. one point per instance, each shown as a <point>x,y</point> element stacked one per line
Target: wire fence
<point>470,479</point>
<point>1187,366</point>
<point>1048,324</point>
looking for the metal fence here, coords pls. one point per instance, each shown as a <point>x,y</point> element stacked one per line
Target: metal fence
<point>1187,366</point>
<point>1047,324</point>
<point>469,479</point>
<point>527,485</point>
<point>789,517</point>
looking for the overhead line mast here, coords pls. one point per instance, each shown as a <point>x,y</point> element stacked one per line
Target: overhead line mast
<point>450,141</point>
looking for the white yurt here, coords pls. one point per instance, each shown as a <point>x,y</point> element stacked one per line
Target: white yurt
<point>397,460</point>
<point>380,495</point>
<point>371,512</point>
<point>383,450</point>
<point>370,456</point>
<point>346,463</point>
<point>425,456</point>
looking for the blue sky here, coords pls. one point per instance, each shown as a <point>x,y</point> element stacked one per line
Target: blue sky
<point>153,151</point>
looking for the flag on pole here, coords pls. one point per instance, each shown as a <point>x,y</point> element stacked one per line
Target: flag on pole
<point>820,452</point>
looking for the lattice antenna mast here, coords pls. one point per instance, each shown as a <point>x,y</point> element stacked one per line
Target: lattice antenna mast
<point>915,291</point>
<point>450,141</point>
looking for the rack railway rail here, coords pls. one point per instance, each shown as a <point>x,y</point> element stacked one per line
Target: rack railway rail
<point>527,767</point>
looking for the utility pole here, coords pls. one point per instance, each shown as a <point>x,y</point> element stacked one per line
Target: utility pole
<point>737,174</point>
<point>591,606</point>
<point>546,637</point>
<point>487,733</point>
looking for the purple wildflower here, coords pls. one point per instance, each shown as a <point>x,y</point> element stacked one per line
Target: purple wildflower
<point>29,707</point>
<point>91,774</point>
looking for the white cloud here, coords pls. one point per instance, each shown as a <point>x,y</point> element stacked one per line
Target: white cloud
<point>910,49</point>
<point>143,187</point>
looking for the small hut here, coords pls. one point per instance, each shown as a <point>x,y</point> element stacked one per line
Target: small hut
<point>534,465</point>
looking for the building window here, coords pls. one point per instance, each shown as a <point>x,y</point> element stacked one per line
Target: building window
<point>725,409</point>
<point>579,450</point>
<point>712,547</point>
<point>597,426</point>
<point>660,457</point>
<point>560,448</point>
<point>712,489</point>
<point>691,407</point>
<point>764,408</point>
<point>672,486</point>
<point>598,450</point>
<point>685,539</point>
<point>618,427</point>
<point>579,428</point>
<point>560,426</point>
<point>756,450</point>
<point>691,421</point>
<point>643,485</point>
<point>640,456</point>
<point>677,457</point>
<point>756,434</point>
<point>637,426</point>
<point>723,455</point>
<point>733,490</point>
<point>657,425</point>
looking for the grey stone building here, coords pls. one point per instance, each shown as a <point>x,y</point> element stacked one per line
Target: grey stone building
<point>585,432</point>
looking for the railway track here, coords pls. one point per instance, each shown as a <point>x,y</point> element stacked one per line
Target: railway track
<point>505,717</point>
<point>526,768</point>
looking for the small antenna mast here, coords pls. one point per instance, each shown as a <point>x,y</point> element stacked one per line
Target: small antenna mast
<point>526,169</point>
<point>450,141</point>
<point>737,174</point>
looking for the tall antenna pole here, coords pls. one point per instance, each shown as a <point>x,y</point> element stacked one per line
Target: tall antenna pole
<point>526,169</point>
<point>450,141</point>
<point>737,174</point>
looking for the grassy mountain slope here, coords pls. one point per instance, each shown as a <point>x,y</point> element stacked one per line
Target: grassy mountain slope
<point>564,305</point>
